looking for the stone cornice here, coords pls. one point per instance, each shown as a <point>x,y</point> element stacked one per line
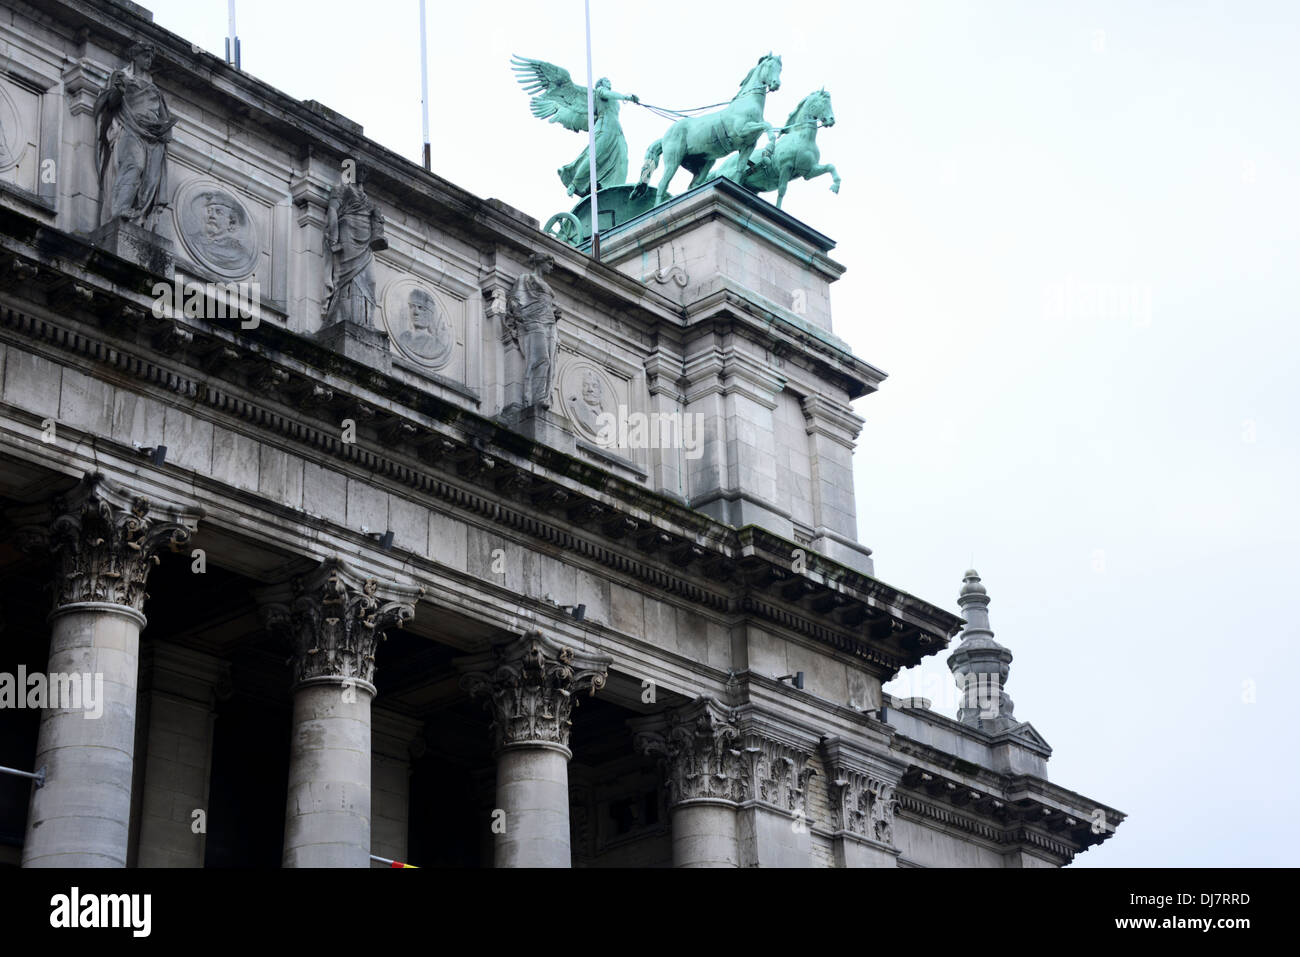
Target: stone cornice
<point>723,199</point>
<point>1013,812</point>
<point>835,420</point>
<point>828,357</point>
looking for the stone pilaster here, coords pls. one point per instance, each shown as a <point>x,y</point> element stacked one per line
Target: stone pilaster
<point>183,686</point>
<point>530,687</point>
<point>104,540</point>
<point>396,739</point>
<point>333,621</point>
<point>773,823</point>
<point>863,805</point>
<point>706,776</point>
<point>833,429</point>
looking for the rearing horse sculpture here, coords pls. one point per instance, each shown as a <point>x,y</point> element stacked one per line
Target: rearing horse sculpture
<point>697,142</point>
<point>793,153</point>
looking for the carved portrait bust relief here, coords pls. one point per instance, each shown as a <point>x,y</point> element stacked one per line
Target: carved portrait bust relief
<point>419,324</point>
<point>216,229</point>
<point>585,394</point>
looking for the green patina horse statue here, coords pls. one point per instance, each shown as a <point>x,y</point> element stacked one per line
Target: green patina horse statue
<point>697,142</point>
<point>790,153</point>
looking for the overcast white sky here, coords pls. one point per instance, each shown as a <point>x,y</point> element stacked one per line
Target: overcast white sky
<point>1071,239</point>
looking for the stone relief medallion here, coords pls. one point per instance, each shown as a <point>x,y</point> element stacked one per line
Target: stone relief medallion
<point>419,324</point>
<point>12,141</point>
<point>216,229</point>
<point>585,393</point>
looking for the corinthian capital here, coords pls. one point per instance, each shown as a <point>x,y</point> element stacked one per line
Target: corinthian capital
<point>529,686</point>
<point>104,540</point>
<point>863,805</point>
<point>697,746</point>
<point>778,771</point>
<point>862,796</point>
<point>333,620</point>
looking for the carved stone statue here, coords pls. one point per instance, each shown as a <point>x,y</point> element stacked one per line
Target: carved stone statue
<point>531,318</point>
<point>562,101</point>
<point>131,153</point>
<point>354,229</point>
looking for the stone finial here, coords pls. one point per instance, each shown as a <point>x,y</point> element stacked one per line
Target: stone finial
<point>104,540</point>
<point>980,665</point>
<point>530,686</point>
<point>697,747</point>
<point>333,620</point>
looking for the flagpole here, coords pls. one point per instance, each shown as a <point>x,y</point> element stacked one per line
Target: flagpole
<point>232,41</point>
<point>591,140</point>
<point>424,87</point>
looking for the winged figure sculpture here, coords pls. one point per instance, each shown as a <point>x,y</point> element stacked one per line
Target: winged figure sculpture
<point>556,98</point>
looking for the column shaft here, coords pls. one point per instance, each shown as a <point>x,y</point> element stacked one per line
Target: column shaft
<point>327,819</point>
<point>533,790</point>
<point>82,816</point>
<point>704,835</point>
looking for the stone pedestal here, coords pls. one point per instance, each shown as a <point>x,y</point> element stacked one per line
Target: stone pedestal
<point>332,620</point>
<point>104,540</point>
<point>364,344</point>
<point>539,425</point>
<point>530,686</point>
<point>136,244</point>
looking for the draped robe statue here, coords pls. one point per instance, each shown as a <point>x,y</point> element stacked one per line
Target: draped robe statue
<point>531,318</point>
<point>354,228</point>
<point>134,129</point>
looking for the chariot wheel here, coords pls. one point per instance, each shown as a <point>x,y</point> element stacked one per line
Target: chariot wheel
<point>564,227</point>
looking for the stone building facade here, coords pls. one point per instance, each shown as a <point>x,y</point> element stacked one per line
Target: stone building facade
<point>340,589</point>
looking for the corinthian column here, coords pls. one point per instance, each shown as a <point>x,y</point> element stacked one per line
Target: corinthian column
<point>706,779</point>
<point>333,620</point>
<point>529,686</point>
<point>104,540</point>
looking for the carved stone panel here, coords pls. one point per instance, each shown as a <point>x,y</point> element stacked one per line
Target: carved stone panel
<point>422,326</point>
<point>20,134</point>
<point>13,138</point>
<point>586,392</point>
<point>216,229</point>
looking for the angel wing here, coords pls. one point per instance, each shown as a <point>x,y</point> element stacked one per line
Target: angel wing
<point>557,98</point>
